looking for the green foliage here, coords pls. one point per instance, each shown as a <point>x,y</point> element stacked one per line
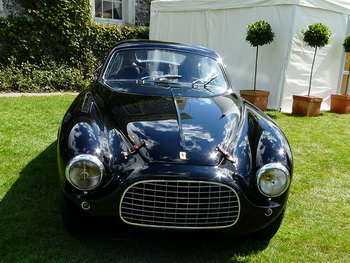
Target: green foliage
<point>16,41</point>
<point>346,44</point>
<point>317,35</point>
<point>259,33</point>
<point>58,33</point>
<point>49,77</point>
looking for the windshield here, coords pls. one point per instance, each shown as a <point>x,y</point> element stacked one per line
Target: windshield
<point>166,68</point>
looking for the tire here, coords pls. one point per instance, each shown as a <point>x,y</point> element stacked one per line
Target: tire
<point>74,219</point>
<point>268,232</point>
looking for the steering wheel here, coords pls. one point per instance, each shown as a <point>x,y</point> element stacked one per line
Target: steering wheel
<point>121,71</point>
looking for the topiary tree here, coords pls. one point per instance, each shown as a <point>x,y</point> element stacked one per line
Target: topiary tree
<point>346,44</point>
<point>317,36</point>
<point>259,34</point>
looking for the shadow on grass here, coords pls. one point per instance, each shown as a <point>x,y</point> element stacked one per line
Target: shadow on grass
<point>31,230</point>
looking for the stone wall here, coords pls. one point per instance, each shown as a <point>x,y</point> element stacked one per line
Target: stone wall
<point>142,13</point>
<point>11,7</point>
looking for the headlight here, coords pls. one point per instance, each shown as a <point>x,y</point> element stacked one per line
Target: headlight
<point>85,172</point>
<point>273,179</point>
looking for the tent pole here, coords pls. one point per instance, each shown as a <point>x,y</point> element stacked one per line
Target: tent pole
<point>283,82</point>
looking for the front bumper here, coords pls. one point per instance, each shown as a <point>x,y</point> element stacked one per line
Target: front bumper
<point>178,197</point>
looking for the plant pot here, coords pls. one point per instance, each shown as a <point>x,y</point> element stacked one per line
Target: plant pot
<point>257,97</point>
<point>306,105</point>
<point>340,103</point>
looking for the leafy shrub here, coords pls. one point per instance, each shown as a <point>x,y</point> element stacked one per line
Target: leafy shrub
<point>56,35</point>
<point>51,77</point>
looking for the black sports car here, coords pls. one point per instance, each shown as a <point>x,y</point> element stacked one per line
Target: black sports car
<point>161,140</point>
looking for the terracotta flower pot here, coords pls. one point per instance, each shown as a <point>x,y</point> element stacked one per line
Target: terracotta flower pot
<point>306,105</point>
<point>340,103</point>
<point>257,97</point>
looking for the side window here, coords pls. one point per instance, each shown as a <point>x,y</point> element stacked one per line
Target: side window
<point>124,66</point>
<point>114,66</point>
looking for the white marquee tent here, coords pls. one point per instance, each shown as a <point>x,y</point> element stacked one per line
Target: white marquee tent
<point>284,65</point>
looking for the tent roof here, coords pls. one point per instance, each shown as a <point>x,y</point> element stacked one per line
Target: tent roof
<point>340,6</point>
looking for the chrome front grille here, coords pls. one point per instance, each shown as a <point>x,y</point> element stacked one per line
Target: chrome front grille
<point>180,204</point>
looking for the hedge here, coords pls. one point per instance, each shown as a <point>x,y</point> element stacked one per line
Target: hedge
<point>49,77</point>
<point>55,45</point>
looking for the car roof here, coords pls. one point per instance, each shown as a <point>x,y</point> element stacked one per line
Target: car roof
<point>166,45</point>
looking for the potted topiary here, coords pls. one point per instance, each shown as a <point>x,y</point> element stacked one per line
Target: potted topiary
<point>258,34</point>
<point>340,103</point>
<point>317,36</point>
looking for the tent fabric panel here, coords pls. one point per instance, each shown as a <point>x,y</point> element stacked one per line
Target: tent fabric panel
<point>239,56</point>
<point>340,6</point>
<point>284,65</point>
<point>328,59</point>
<point>180,27</point>
<point>205,28</point>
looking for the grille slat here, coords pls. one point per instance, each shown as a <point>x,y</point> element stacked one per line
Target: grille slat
<point>180,204</point>
<point>169,203</point>
<point>177,213</point>
<point>176,208</point>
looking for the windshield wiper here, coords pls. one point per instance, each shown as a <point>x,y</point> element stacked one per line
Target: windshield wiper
<point>206,83</point>
<point>210,80</point>
<point>168,76</point>
<point>166,80</point>
<point>163,79</point>
<point>194,83</point>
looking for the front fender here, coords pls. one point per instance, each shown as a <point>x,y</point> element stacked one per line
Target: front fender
<point>260,142</point>
<point>82,132</point>
<point>273,147</point>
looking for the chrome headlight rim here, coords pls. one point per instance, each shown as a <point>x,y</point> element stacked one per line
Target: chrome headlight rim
<point>84,157</point>
<point>261,172</point>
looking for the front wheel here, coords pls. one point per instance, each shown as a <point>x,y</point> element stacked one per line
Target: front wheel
<point>269,231</point>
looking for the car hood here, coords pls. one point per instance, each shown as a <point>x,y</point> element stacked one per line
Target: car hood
<point>177,129</point>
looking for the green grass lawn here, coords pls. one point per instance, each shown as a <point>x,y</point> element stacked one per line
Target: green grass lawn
<point>316,226</point>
